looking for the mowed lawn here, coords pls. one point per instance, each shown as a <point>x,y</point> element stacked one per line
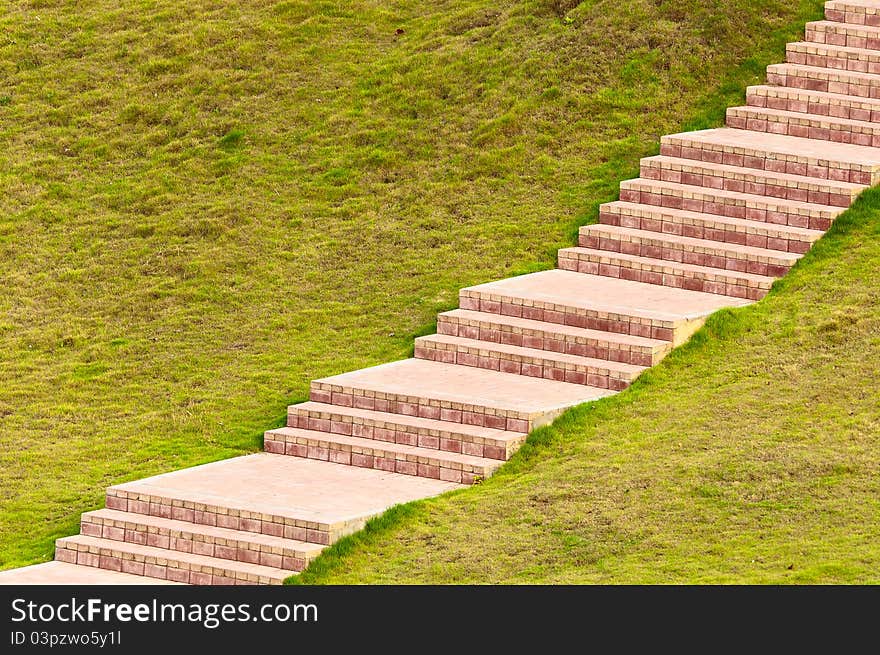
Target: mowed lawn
<point>204,205</point>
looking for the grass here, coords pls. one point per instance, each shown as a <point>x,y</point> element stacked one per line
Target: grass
<point>750,455</point>
<point>203,207</point>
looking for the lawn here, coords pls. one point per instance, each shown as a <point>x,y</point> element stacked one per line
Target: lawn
<point>205,205</point>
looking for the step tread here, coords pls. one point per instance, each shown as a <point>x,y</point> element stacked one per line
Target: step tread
<point>289,488</point>
<point>147,521</point>
<point>630,370</point>
<point>813,47</point>
<point>643,183</point>
<point>762,280</point>
<point>419,378</point>
<point>834,25</point>
<point>821,72</point>
<point>786,258</point>
<point>747,140</point>
<point>556,328</point>
<point>796,181</point>
<point>374,445</point>
<point>806,94</point>
<point>176,556</point>
<point>806,118</point>
<point>403,420</point>
<point>745,224</point>
<point>842,4</point>
<point>610,295</point>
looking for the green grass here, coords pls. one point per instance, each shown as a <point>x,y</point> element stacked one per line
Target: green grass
<point>205,205</point>
<point>750,455</point>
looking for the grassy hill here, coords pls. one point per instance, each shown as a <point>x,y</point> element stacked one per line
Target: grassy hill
<point>206,205</point>
<point>750,455</point>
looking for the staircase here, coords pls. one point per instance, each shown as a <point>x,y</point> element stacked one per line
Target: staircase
<point>711,222</point>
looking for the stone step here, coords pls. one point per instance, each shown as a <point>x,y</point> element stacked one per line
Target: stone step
<point>530,362</point>
<point>820,103</point>
<point>825,128</point>
<point>856,12</point>
<point>846,34</point>
<point>211,541</point>
<point>62,573</point>
<point>554,337</point>
<point>729,203</point>
<point>821,55</point>
<point>598,302</point>
<point>814,78</point>
<point>750,180</point>
<point>649,270</point>
<point>459,468</point>
<point>460,394</point>
<point>708,226</point>
<point>289,497</point>
<point>777,152</point>
<point>408,430</point>
<point>702,252</point>
<point>162,563</point>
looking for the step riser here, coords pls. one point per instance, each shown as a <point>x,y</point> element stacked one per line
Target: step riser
<point>842,35</point>
<point>776,125</point>
<point>760,186</point>
<point>852,15</point>
<point>680,279</point>
<point>488,417</point>
<point>775,162</point>
<point>843,86</point>
<point>821,106</point>
<point>403,435</point>
<point>730,261</point>
<point>550,341</point>
<point>863,63</point>
<point>767,213</point>
<point>222,517</point>
<point>578,317</point>
<point>240,551</point>
<point>675,225</point>
<point>546,369</point>
<point>168,569</point>
<point>387,461</point>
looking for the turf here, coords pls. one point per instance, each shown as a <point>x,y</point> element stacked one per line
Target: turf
<point>205,205</point>
<point>749,455</point>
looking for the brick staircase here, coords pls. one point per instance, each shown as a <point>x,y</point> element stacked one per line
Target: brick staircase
<point>711,222</point>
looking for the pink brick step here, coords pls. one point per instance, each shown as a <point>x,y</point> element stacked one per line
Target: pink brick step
<point>289,497</point>
<point>460,394</point>
<point>844,34</point>
<point>750,180</point>
<point>826,128</point>
<point>524,332</point>
<point>820,103</point>
<point>814,78</point>
<point>665,273</point>
<point>222,543</point>
<point>858,60</point>
<point>702,252</point>
<point>373,454</point>
<point>163,563</point>
<point>408,430</point>
<point>857,12</point>
<point>598,302</point>
<point>777,152</point>
<point>729,203</point>
<point>708,226</point>
<point>530,362</point>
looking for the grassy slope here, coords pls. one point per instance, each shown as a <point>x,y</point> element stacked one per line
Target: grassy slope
<point>749,455</point>
<point>202,207</point>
